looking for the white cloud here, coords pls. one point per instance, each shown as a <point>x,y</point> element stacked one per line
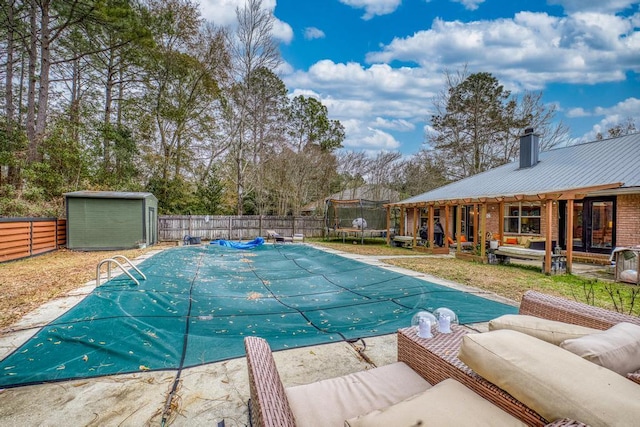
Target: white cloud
<point>373,7</point>
<point>354,114</point>
<point>614,115</point>
<point>282,31</point>
<point>352,126</point>
<point>577,112</point>
<point>532,49</point>
<point>630,107</point>
<point>220,12</point>
<point>470,4</point>
<point>354,80</point>
<point>371,102</point>
<point>284,69</point>
<point>399,125</point>
<point>223,13</point>
<point>607,6</point>
<point>372,140</point>
<point>311,33</point>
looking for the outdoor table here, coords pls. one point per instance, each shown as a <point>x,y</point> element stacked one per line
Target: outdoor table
<point>436,359</point>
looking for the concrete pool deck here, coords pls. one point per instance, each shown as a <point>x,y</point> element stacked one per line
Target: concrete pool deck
<point>207,395</point>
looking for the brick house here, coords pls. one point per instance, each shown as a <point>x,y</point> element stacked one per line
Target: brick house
<point>583,198</point>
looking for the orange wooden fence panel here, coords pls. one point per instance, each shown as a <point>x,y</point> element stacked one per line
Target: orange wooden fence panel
<point>61,238</point>
<point>24,237</point>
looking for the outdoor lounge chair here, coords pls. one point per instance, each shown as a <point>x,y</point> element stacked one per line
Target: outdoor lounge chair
<point>278,238</point>
<point>464,244</point>
<point>432,359</point>
<point>272,234</point>
<point>355,399</point>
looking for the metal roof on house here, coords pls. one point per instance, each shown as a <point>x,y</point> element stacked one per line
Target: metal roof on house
<point>108,195</point>
<point>585,166</point>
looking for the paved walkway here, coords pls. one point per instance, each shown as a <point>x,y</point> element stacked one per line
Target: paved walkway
<point>207,395</point>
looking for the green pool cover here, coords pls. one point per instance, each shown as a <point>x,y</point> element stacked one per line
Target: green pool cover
<point>199,302</point>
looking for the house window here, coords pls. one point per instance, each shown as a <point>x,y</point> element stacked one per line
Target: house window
<point>522,218</point>
<point>424,216</point>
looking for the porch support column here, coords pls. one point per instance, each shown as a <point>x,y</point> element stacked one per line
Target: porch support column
<point>501,222</point>
<point>402,219</point>
<point>388,238</point>
<point>430,226</point>
<point>446,226</point>
<point>569,238</point>
<point>476,213</point>
<point>548,236</point>
<point>415,224</point>
<point>483,229</point>
<point>458,227</point>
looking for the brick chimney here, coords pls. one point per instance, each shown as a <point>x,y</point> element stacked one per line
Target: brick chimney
<point>529,149</point>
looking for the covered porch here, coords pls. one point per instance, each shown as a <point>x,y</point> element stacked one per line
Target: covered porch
<point>482,219</point>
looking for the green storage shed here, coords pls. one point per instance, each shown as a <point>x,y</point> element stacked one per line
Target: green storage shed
<point>110,220</point>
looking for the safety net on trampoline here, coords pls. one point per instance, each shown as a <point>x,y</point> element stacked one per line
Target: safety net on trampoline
<point>199,302</point>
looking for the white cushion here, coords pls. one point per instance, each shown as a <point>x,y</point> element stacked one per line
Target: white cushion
<point>617,348</point>
<point>447,403</point>
<point>330,402</point>
<point>544,329</point>
<point>553,382</point>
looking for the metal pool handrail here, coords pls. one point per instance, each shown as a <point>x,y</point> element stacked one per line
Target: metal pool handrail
<point>115,261</point>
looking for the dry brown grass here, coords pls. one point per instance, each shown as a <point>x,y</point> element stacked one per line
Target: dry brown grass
<point>509,282</point>
<point>30,282</point>
<point>353,246</point>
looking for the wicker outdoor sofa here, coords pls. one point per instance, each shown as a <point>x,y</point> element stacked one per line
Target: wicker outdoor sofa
<point>554,308</point>
<point>435,361</point>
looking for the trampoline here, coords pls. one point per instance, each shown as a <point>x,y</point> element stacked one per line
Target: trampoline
<point>199,302</point>
<point>357,217</point>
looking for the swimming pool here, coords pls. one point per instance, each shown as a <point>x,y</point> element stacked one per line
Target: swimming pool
<point>199,302</point>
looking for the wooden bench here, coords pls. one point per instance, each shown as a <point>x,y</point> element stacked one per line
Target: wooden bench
<point>504,253</point>
<point>403,241</point>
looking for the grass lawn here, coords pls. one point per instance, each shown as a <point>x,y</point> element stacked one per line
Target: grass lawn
<point>28,283</point>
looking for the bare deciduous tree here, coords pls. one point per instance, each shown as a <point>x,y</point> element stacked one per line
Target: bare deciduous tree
<point>625,128</point>
<point>252,47</point>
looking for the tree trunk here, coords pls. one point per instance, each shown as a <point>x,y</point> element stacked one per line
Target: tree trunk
<point>31,91</point>
<point>108,95</point>
<point>120,91</point>
<point>74,108</point>
<point>240,177</point>
<point>13,171</point>
<point>10,111</point>
<point>43,92</point>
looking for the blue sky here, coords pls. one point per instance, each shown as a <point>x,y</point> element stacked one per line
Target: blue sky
<point>378,64</point>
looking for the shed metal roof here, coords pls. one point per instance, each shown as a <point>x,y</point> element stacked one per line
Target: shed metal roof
<point>611,162</point>
<point>109,194</point>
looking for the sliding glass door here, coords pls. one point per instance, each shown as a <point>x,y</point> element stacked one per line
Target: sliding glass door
<point>593,224</point>
<point>601,222</point>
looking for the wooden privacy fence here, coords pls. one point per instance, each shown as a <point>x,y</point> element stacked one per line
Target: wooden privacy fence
<point>247,227</point>
<point>24,237</point>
